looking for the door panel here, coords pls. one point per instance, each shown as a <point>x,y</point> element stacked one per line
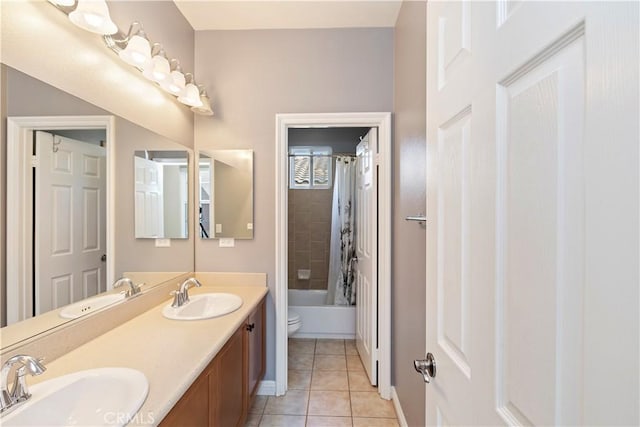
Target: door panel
<point>70,225</point>
<point>366,252</point>
<point>532,139</point>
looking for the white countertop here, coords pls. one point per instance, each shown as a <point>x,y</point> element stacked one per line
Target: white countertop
<point>171,353</point>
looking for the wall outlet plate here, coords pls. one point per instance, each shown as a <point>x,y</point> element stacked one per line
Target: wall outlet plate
<point>163,243</point>
<point>227,242</point>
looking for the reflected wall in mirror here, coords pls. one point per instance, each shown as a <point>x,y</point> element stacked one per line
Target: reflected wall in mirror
<point>161,194</point>
<point>25,98</point>
<point>226,194</point>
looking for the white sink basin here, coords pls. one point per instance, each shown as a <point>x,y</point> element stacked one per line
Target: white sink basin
<point>204,306</point>
<point>96,397</point>
<point>90,305</point>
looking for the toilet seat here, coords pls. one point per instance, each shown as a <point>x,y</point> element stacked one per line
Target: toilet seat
<point>292,317</point>
<point>293,322</point>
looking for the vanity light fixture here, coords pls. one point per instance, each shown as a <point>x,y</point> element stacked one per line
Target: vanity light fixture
<point>93,15</point>
<point>176,82</point>
<point>136,49</point>
<point>191,96</point>
<point>158,69</point>
<point>205,108</point>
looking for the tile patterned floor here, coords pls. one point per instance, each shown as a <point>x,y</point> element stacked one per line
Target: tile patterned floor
<point>327,387</point>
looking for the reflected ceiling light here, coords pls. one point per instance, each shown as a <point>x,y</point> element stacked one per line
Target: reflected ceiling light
<point>137,51</point>
<point>93,15</point>
<point>205,108</point>
<point>191,96</point>
<point>176,82</point>
<point>158,69</point>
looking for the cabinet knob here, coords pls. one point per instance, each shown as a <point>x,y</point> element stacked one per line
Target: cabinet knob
<point>249,326</point>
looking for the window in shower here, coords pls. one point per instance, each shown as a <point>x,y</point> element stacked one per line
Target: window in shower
<point>310,168</point>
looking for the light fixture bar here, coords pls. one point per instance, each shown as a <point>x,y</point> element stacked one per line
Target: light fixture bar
<point>135,48</point>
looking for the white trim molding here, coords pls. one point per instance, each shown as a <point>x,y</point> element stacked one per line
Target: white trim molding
<point>266,388</point>
<point>382,121</point>
<point>398,407</point>
<point>19,133</point>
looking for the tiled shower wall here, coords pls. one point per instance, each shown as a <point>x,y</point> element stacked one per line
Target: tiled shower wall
<point>309,237</point>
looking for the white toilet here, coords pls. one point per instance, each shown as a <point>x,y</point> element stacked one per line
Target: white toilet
<point>293,322</point>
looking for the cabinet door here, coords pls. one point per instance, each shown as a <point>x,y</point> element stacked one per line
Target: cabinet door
<point>192,410</point>
<point>255,334</point>
<point>228,384</point>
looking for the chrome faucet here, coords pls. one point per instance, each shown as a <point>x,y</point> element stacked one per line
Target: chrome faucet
<point>19,392</point>
<point>181,296</point>
<point>133,288</point>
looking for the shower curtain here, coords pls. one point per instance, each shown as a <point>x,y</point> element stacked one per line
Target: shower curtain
<point>340,289</point>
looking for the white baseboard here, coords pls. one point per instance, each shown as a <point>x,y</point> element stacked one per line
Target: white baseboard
<point>267,388</point>
<point>396,404</point>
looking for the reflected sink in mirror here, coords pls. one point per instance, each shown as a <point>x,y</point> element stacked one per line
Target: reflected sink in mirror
<point>204,306</point>
<point>95,397</point>
<point>90,305</point>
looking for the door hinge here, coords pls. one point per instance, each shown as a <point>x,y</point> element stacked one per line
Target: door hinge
<point>35,162</point>
<point>377,159</point>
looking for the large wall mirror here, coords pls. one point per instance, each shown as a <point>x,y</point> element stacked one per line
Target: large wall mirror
<point>226,194</point>
<point>161,187</point>
<point>79,205</point>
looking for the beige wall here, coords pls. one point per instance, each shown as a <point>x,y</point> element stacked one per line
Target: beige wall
<point>408,273</point>
<point>252,76</point>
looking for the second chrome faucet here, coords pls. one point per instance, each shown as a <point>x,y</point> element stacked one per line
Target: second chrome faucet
<point>181,296</point>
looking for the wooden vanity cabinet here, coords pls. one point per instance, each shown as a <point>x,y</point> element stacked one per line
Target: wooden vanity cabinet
<point>255,343</point>
<point>222,394</point>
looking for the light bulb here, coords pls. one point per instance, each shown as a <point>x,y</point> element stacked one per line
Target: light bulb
<point>137,52</point>
<point>93,15</point>
<point>191,96</point>
<point>157,69</point>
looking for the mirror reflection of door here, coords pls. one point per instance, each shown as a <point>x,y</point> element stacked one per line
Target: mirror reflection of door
<point>161,194</point>
<point>69,215</point>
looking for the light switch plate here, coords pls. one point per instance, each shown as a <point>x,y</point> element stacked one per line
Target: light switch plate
<point>163,243</point>
<point>228,242</point>
<point>218,228</point>
<point>249,226</point>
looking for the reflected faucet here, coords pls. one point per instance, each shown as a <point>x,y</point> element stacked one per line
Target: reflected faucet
<point>19,392</point>
<point>181,296</point>
<point>133,288</point>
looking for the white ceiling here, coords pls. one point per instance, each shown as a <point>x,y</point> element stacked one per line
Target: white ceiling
<point>270,14</point>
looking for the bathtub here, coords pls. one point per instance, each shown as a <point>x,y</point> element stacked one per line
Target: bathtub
<point>320,320</point>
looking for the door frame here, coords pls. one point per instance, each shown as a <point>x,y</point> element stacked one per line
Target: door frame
<point>19,263</point>
<point>382,121</point>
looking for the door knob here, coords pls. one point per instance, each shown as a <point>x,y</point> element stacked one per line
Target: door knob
<point>426,367</point>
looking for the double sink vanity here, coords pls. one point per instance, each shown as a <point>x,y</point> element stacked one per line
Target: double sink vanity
<point>192,360</point>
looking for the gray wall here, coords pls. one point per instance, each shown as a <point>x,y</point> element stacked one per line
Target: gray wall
<point>252,76</point>
<point>409,270</point>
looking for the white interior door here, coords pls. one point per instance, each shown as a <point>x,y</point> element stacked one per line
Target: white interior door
<point>70,224</point>
<point>532,201</point>
<point>366,251</point>
<point>149,200</point>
